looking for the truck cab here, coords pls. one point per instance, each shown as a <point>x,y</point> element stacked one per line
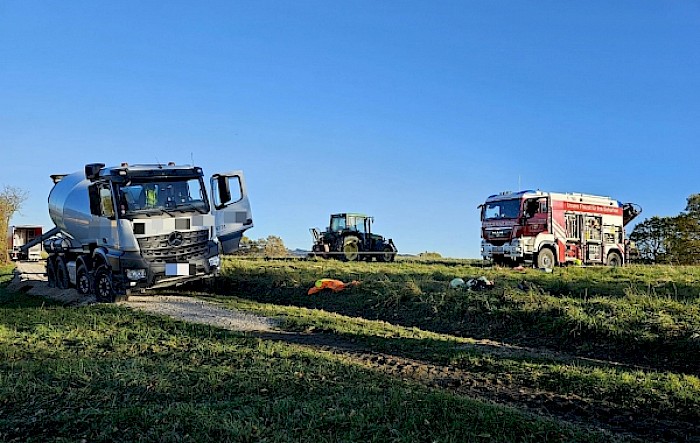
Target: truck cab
<point>133,227</point>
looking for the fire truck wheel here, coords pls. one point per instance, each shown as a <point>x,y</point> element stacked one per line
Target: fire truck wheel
<point>62,280</point>
<point>545,258</point>
<point>614,259</point>
<point>82,280</point>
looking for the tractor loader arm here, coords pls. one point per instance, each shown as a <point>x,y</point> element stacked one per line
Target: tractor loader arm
<point>316,235</point>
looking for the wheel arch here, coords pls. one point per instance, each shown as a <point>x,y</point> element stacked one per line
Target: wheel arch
<point>99,258</point>
<point>550,245</point>
<point>84,260</point>
<point>617,251</point>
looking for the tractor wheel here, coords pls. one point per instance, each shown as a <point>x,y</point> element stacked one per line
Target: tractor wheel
<point>545,258</point>
<point>82,280</point>
<point>319,251</point>
<point>351,248</point>
<point>62,279</point>
<point>388,254</point>
<point>614,259</point>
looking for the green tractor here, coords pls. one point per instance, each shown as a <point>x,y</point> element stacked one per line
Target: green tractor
<point>349,237</point>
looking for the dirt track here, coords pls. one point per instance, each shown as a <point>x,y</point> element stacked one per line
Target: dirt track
<point>31,280</point>
<point>596,414</point>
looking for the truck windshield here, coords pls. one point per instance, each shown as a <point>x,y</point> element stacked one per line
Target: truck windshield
<point>144,197</point>
<point>502,209</point>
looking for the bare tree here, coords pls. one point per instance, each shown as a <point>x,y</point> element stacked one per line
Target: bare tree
<point>11,199</point>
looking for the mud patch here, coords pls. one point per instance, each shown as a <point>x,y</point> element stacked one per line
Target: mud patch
<point>30,278</point>
<point>589,413</point>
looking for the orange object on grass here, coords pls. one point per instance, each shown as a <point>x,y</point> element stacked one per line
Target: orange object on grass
<point>329,283</point>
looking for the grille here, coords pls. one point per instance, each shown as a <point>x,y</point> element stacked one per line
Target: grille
<point>157,249</point>
<point>499,233</point>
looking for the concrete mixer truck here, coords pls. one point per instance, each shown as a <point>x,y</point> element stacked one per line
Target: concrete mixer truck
<point>124,229</point>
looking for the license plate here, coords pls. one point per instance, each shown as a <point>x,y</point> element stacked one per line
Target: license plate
<point>173,269</point>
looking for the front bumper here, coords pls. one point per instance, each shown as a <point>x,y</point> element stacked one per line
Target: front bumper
<point>160,274</point>
<point>514,250</point>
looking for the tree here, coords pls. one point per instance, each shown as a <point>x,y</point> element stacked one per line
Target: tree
<point>274,247</point>
<point>11,200</point>
<point>686,242</point>
<point>671,239</point>
<point>652,238</point>
<point>692,207</point>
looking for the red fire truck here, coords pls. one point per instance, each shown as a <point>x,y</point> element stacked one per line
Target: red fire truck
<point>549,228</point>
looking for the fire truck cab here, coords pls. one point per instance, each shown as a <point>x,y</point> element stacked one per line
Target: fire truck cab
<point>548,228</point>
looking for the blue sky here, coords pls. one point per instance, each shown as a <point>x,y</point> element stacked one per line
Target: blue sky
<point>412,112</point>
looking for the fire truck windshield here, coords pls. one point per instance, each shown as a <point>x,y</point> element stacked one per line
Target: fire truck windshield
<point>502,209</point>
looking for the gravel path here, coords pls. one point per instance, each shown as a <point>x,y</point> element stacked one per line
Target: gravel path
<point>31,279</point>
<point>199,311</point>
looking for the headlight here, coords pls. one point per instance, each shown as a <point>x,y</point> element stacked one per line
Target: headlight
<point>214,261</point>
<point>136,274</point>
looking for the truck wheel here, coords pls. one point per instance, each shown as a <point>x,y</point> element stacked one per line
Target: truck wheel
<point>351,248</point>
<point>614,259</point>
<point>82,280</point>
<point>104,289</point>
<point>62,279</point>
<point>388,254</point>
<point>545,258</point>
<point>51,272</point>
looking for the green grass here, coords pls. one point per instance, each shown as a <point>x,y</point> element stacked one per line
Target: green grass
<point>648,316</point>
<point>105,373</point>
<point>633,312</point>
<point>652,392</point>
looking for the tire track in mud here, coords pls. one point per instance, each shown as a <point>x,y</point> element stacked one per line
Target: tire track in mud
<point>579,410</point>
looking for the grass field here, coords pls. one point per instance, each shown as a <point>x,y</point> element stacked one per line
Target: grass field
<point>400,357</point>
<point>650,315</point>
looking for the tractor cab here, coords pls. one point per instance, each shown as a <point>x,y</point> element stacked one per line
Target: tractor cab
<point>350,222</point>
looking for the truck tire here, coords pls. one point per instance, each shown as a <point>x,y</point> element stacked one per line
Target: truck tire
<point>614,259</point>
<point>545,259</point>
<point>62,279</point>
<point>104,288</point>
<point>51,272</point>
<point>351,248</point>
<point>82,280</point>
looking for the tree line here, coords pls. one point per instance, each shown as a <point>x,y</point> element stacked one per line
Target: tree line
<point>670,240</point>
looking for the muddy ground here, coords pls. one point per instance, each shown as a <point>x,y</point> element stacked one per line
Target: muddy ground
<point>668,426</point>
